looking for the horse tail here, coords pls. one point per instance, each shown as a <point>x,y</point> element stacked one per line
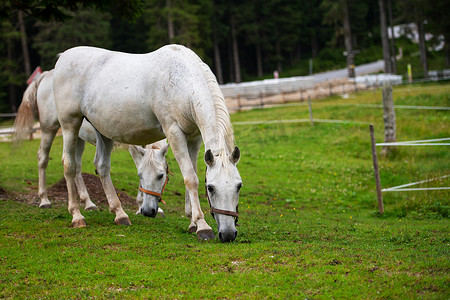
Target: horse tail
<point>28,111</point>
<point>224,127</point>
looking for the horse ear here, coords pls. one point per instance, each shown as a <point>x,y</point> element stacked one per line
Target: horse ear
<point>137,153</point>
<point>209,158</point>
<point>235,155</point>
<point>163,150</point>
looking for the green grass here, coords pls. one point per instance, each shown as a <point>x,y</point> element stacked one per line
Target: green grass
<point>308,216</point>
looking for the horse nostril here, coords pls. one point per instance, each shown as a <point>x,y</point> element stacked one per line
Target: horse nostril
<point>228,236</point>
<point>149,213</point>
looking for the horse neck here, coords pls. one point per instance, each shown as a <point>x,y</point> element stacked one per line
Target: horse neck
<point>218,133</point>
<point>218,138</point>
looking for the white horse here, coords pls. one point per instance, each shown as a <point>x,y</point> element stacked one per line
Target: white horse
<point>38,103</point>
<point>152,157</point>
<point>143,98</point>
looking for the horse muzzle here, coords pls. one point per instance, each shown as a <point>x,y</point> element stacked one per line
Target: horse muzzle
<point>226,227</point>
<point>227,236</point>
<point>149,210</point>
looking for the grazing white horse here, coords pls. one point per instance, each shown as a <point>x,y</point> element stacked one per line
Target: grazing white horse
<point>38,103</point>
<point>143,98</point>
<point>152,157</point>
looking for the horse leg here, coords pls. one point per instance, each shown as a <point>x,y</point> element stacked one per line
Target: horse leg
<point>43,156</point>
<point>180,149</point>
<point>193,149</point>
<point>81,187</point>
<point>70,137</point>
<point>102,162</point>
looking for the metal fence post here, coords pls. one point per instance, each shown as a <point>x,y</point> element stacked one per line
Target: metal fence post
<point>375,168</point>
<point>310,110</point>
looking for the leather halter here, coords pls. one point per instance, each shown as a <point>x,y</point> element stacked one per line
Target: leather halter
<point>159,195</point>
<point>213,210</point>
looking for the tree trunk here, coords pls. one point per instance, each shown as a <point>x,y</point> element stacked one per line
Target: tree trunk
<point>170,28</point>
<point>11,87</point>
<point>230,61</point>
<point>348,41</point>
<point>237,67</point>
<point>447,51</point>
<point>259,64</point>
<point>389,118</point>
<point>23,39</point>
<point>217,59</point>
<point>384,38</point>
<point>422,46</point>
<point>314,46</point>
<point>393,51</point>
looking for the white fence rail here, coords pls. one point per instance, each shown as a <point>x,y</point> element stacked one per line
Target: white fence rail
<point>267,87</point>
<point>405,187</point>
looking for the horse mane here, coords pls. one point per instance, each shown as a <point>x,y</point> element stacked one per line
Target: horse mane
<point>223,122</point>
<point>150,153</point>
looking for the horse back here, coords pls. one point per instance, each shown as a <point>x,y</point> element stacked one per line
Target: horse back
<point>125,91</point>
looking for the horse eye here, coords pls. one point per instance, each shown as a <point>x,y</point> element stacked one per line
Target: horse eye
<point>239,187</point>
<point>210,189</point>
<point>160,176</point>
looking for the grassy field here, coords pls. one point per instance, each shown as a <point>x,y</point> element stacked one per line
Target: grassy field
<point>309,226</point>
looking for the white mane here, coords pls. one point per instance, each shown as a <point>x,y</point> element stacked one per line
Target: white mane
<point>224,129</point>
<point>150,157</point>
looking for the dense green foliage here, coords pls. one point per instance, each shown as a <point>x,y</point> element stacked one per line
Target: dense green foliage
<point>240,40</point>
<point>309,227</point>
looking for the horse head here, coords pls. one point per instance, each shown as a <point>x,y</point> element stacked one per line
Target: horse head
<point>223,184</point>
<point>153,172</point>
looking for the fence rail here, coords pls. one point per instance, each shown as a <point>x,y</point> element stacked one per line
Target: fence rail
<point>8,115</point>
<point>403,187</point>
<point>271,92</point>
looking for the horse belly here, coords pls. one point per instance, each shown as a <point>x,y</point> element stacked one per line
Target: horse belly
<point>131,128</point>
<point>140,136</point>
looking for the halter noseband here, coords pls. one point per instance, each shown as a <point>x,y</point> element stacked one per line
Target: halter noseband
<point>213,210</point>
<point>159,195</point>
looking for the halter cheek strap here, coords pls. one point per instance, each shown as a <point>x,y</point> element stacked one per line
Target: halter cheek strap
<point>155,193</point>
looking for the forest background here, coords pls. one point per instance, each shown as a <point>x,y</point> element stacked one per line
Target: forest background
<point>239,40</point>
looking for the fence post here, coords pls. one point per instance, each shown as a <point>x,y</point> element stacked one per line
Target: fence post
<point>310,111</point>
<point>239,102</point>
<point>375,169</point>
<point>389,118</point>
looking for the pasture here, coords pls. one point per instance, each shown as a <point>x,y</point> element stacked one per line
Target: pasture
<point>309,226</point>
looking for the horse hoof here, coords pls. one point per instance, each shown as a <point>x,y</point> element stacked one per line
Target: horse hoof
<point>45,206</point>
<point>79,223</point>
<point>192,229</point>
<point>123,221</point>
<point>92,207</point>
<point>204,235</point>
